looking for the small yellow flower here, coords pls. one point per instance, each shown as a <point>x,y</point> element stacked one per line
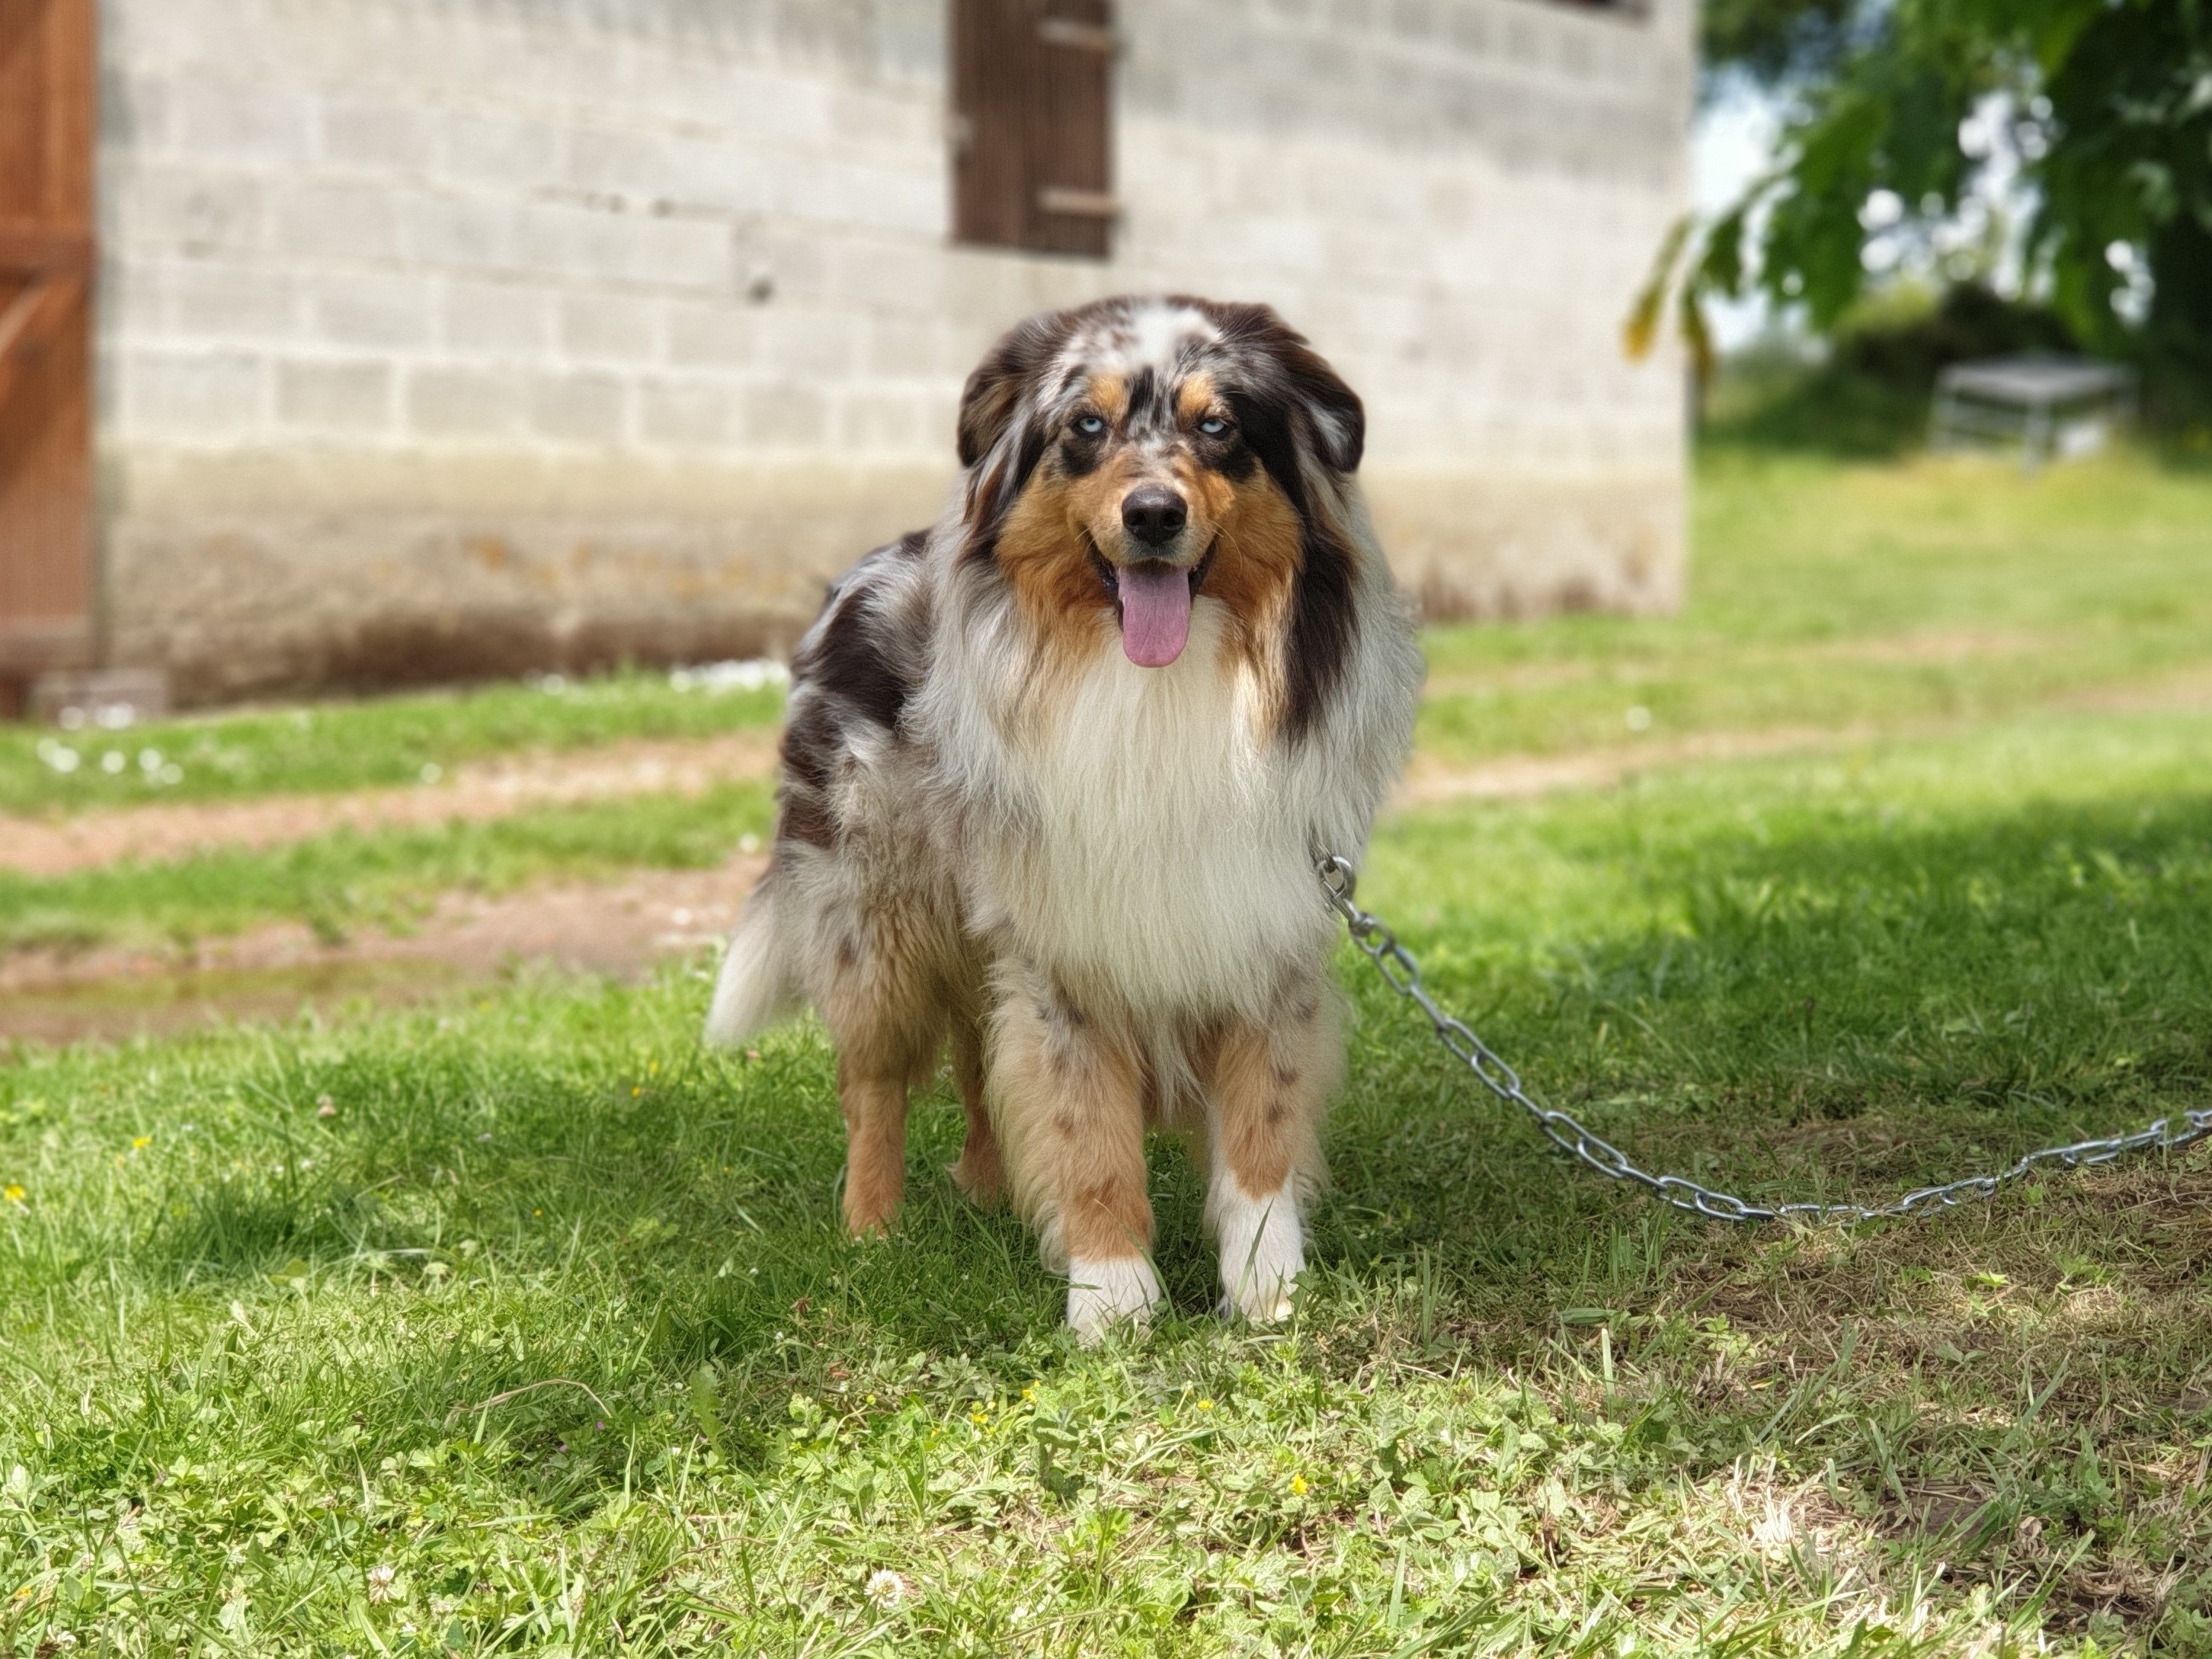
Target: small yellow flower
<point>1029,1394</point>
<point>1206,1405</point>
<point>1297,1485</point>
<point>13,1192</point>
<point>635,1093</point>
<point>140,1143</point>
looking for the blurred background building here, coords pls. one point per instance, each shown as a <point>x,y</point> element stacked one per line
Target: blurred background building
<point>437,338</point>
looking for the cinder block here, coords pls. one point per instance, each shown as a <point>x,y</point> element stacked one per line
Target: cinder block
<point>466,403</point>
<point>685,417</point>
<point>674,252</point>
<point>793,257</point>
<point>784,415</point>
<point>452,232</point>
<point>597,326</point>
<point>379,137</point>
<point>509,319</point>
<point>901,121</point>
<point>819,344</point>
<point>728,334</point>
<point>335,397</point>
<point>639,166</point>
<point>179,205</point>
<point>235,120</point>
<point>333,219</point>
<point>916,347</point>
<point>887,422</point>
<point>576,242</point>
<point>580,409</point>
<point>794,107</point>
<point>231,301</point>
<point>134,297</point>
<point>485,151</point>
<point>569,240</point>
<point>385,309</point>
<point>210,397</point>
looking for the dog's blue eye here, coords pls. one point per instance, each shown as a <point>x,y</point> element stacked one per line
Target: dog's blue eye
<point>1089,425</point>
<point>1213,426</point>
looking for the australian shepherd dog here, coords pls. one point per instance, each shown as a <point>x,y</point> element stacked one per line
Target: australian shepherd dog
<point>1051,776</point>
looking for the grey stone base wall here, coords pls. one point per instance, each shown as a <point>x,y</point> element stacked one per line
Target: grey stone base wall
<point>244,578</point>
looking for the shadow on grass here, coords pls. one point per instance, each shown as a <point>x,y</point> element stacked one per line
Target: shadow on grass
<point>1948,995</point>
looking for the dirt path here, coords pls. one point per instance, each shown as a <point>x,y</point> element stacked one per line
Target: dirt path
<point>1522,777</point>
<point>489,789</point>
<point>493,789</point>
<point>55,847</point>
<point>617,930</point>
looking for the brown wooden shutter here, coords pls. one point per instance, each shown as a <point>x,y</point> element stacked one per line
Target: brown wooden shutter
<point>1032,125</point>
<point>48,73</point>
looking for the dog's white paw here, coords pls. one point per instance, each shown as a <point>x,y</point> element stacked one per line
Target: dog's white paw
<point>1262,1250</point>
<point>1103,1294</point>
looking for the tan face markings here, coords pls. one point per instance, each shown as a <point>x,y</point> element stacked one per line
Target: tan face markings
<point>1195,398</point>
<point>1109,394</point>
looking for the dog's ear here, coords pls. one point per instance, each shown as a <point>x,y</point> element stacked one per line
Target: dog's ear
<point>1299,381</point>
<point>996,389</point>
<point>1334,415</point>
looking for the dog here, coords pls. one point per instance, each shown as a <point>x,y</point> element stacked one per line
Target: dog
<point>1052,775</point>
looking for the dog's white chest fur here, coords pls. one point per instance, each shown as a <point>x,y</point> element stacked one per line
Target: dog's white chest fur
<point>1160,847</point>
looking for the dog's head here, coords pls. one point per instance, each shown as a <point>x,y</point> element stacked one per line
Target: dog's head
<point>1129,457</point>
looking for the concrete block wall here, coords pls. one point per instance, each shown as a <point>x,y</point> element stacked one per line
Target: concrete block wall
<point>442,336</point>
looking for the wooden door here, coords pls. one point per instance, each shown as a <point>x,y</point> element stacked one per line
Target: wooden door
<point>1032,128</point>
<point>47,78</point>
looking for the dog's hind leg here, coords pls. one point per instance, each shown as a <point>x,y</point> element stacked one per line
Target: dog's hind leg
<point>1268,1084</point>
<point>875,1102</point>
<point>888,1021</point>
<point>978,1172</point>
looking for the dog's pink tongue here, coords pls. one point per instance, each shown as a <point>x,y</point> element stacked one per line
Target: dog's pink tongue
<point>1155,613</point>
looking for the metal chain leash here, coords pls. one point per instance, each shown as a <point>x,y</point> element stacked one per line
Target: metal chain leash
<point>1403,975</point>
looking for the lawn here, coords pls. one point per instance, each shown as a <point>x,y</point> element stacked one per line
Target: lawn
<point>255,752</point>
<point>346,879</point>
<point>1864,600</point>
<point>522,1324</point>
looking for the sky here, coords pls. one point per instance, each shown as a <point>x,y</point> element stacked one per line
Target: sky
<point>1733,144</point>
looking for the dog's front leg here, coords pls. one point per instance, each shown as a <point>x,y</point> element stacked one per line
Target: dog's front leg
<point>1269,1082</point>
<point>1069,1091</point>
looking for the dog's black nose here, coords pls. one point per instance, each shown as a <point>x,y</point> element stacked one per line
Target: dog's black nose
<point>1153,514</point>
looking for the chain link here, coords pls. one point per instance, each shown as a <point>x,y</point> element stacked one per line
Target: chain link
<point>1403,975</point>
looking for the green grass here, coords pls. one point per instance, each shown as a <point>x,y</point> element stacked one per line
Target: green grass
<point>1824,596</point>
<point>334,746</point>
<point>524,1326</point>
<point>348,879</point>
